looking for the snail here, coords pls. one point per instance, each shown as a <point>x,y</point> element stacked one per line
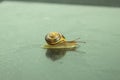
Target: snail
<point>57,40</point>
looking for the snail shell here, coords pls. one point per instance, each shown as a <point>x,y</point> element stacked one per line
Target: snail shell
<point>54,38</point>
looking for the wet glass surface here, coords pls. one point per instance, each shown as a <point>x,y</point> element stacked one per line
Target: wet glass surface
<point>22,30</point>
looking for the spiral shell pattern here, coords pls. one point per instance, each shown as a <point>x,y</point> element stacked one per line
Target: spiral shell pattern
<point>54,38</point>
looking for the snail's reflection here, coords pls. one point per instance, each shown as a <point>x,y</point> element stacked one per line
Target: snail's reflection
<point>56,54</point>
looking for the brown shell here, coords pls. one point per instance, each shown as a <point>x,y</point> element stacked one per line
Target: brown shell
<point>54,38</point>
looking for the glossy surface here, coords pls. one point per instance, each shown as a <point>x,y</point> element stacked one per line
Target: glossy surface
<point>23,26</point>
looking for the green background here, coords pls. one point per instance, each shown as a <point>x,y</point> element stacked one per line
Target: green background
<point>24,24</point>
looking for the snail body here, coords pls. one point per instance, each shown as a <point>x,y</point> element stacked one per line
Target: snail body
<point>57,40</point>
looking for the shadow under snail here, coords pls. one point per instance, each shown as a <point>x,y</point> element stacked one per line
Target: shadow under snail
<point>56,40</point>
